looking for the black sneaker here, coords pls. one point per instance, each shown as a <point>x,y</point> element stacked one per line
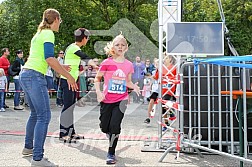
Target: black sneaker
<point>147,121</point>
<point>18,108</point>
<point>77,137</point>
<point>5,106</point>
<point>172,116</point>
<point>164,128</point>
<point>67,139</point>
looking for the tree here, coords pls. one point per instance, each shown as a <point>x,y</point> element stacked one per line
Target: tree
<point>238,16</point>
<point>19,20</point>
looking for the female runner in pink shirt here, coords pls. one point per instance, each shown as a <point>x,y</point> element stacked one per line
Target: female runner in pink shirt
<point>116,71</point>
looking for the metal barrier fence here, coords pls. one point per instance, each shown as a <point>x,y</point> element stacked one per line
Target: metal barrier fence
<point>213,109</point>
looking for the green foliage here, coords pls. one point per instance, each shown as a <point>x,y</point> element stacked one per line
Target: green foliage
<point>238,18</point>
<point>19,20</point>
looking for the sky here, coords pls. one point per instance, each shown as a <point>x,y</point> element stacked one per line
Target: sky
<point>1,1</point>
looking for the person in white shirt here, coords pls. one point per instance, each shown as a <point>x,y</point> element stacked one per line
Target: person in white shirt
<point>3,88</point>
<point>59,99</point>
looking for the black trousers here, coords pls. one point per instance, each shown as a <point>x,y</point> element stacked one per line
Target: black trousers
<point>111,115</point>
<point>67,117</point>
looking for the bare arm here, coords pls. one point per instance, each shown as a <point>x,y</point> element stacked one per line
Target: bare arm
<point>129,82</point>
<point>132,86</point>
<point>97,82</point>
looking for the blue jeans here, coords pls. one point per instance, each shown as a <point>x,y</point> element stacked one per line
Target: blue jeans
<point>18,89</point>
<point>49,81</point>
<point>35,88</point>
<point>59,99</point>
<point>2,98</point>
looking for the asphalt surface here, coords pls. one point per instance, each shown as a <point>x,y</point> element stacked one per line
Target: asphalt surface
<point>93,149</point>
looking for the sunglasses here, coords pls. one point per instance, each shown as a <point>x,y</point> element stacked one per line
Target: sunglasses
<point>61,53</point>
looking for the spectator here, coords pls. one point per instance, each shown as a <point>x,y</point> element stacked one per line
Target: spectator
<point>59,98</point>
<point>5,64</point>
<point>17,65</point>
<point>149,67</point>
<point>138,77</point>
<point>146,88</point>
<point>91,73</point>
<point>91,70</point>
<point>154,93</point>
<point>23,98</point>
<point>3,87</point>
<point>82,80</point>
<point>49,78</point>
<point>56,75</point>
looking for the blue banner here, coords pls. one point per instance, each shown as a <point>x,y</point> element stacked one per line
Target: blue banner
<point>232,61</point>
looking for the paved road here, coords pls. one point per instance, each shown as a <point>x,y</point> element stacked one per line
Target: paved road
<point>92,151</point>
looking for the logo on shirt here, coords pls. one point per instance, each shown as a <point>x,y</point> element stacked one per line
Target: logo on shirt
<point>117,84</point>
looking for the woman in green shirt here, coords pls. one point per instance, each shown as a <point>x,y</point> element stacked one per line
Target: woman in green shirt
<point>33,82</point>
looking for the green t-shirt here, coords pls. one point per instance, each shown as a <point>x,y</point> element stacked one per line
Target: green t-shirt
<point>73,60</point>
<point>36,60</point>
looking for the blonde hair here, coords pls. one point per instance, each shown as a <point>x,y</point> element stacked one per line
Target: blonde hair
<point>49,16</point>
<point>2,71</point>
<point>109,47</point>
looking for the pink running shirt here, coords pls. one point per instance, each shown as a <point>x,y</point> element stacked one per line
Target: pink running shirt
<point>115,79</point>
